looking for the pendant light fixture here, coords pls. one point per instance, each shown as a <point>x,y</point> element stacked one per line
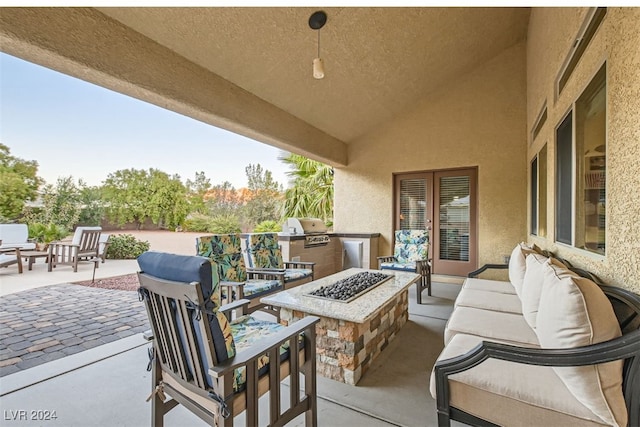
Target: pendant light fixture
<point>317,21</point>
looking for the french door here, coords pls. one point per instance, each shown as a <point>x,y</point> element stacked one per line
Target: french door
<point>445,202</point>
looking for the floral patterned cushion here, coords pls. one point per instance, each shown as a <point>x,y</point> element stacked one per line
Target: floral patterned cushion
<point>256,287</point>
<point>293,274</point>
<point>411,245</point>
<point>411,266</point>
<point>264,251</point>
<point>246,331</point>
<point>226,254</point>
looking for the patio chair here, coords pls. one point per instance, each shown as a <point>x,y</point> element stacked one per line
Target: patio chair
<point>85,248</point>
<point>264,254</point>
<point>225,253</point>
<point>411,253</point>
<point>214,366</point>
<point>10,256</point>
<point>103,245</point>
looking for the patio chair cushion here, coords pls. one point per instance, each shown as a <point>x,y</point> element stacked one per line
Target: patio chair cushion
<point>264,251</point>
<point>15,235</point>
<point>246,331</point>
<point>225,251</point>
<point>292,274</point>
<point>575,312</point>
<point>78,233</point>
<point>410,266</point>
<point>253,288</point>
<point>411,245</point>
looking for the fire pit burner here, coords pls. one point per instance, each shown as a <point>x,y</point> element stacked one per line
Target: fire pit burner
<point>351,287</point>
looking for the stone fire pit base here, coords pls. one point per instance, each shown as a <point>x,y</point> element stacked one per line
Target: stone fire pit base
<point>345,349</point>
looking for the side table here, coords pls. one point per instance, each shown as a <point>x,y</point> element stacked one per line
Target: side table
<point>31,256</point>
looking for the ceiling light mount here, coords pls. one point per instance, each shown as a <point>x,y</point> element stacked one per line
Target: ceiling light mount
<point>317,21</point>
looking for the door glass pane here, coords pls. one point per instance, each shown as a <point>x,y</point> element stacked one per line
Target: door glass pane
<point>413,204</point>
<point>454,218</point>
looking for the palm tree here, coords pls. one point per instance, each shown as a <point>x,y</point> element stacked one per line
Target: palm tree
<point>312,192</point>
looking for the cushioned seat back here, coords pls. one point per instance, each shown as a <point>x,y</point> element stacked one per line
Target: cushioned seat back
<point>78,233</point>
<point>411,245</point>
<point>264,251</point>
<point>181,270</point>
<point>225,251</point>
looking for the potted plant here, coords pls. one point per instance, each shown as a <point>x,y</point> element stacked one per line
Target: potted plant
<point>43,234</point>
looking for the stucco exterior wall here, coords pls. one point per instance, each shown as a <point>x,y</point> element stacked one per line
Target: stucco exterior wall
<point>551,33</point>
<point>476,121</point>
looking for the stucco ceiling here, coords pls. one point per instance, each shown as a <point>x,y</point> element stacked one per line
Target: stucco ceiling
<point>378,61</point>
<point>249,70</point>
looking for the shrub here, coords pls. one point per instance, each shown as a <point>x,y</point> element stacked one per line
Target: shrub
<point>268,226</point>
<point>223,224</point>
<point>197,222</point>
<point>126,246</point>
<point>46,233</point>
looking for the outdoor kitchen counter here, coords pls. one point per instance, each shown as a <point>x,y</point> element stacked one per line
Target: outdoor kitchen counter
<point>350,335</point>
<point>332,256</point>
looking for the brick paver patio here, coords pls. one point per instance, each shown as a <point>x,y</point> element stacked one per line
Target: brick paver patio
<point>51,322</point>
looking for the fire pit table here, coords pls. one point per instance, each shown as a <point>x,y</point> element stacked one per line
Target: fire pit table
<point>353,329</point>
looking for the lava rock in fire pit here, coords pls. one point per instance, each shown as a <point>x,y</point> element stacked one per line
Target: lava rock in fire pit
<point>351,286</point>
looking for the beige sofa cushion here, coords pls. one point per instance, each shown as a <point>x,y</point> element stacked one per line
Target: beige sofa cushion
<point>574,312</point>
<point>532,285</point>
<point>497,325</point>
<point>518,265</point>
<point>512,394</point>
<point>487,300</point>
<point>500,286</point>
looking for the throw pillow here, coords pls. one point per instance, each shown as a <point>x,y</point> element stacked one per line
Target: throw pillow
<point>518,266</point>
<point>574,312</point>
<point>532,285</point>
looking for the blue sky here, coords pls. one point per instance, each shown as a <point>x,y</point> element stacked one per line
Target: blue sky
<point>72,127</point>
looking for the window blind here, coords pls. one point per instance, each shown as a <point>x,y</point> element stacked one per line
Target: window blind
<point>454,218</point>
<point>413,204</point>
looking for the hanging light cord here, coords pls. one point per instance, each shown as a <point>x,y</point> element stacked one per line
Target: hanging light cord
<point>318,43</point>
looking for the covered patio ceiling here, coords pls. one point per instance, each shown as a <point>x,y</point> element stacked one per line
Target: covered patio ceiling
<point>248,70</point>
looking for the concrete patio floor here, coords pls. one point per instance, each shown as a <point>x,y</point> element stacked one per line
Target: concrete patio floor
<point>107,385</point>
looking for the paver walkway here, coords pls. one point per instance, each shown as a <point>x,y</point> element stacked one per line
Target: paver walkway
<point>51,322</point>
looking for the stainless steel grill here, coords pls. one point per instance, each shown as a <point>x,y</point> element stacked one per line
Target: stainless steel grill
<point>313,229</point>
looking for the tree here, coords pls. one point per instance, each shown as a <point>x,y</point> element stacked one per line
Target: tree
<point>93,207</point>
<point>223,199</point>
<point>135,195</point>
<point>19,183</point>
<point>197,189</point>
<point>265,202</point>
<point>62,203</point>
<point>312,192</point>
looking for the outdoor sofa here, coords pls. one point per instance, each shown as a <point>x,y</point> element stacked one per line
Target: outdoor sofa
<point>552,346</point>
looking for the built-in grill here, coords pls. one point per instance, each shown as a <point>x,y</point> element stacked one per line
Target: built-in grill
<point>314,230</point>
